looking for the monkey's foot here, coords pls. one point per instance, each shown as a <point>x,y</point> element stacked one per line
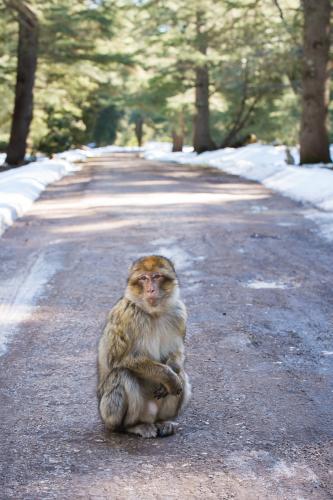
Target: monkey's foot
<point>166,428</point>
<point>144,430</point>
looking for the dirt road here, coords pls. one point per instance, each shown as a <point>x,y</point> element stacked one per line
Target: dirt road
<point>257,281</point>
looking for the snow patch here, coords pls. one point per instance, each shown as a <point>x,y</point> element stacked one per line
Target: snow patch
<point>324,221</point>
<point>258,284</point>
<point>19,295</point>
<point>74,155</point>
<point>282,470</point>
<point>19,187</point>
<point>257,209</point>
<point>180,258</point>
<point>79,155</point>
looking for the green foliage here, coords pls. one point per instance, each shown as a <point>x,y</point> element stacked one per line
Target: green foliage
<point>105,130</point>
<point>103,63</point>
<point>253,58</point>
<point>77,60</point>
<point>65,130</point>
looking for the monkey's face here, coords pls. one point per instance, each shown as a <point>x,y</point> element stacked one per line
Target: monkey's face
<point>152,283</point>
<point>152,287</point>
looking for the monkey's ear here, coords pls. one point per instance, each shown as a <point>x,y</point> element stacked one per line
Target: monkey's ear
<point>132,268</point>
<point>135,263</point>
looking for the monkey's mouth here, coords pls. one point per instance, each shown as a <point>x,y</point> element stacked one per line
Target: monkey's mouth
<point>152,301</point>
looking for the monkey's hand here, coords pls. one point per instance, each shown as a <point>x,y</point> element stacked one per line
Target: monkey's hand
<point>172,385</point>
<point>175,386</point>
<point>160,392</point>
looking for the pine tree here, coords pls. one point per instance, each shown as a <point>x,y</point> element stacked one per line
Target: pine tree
<point>25,78</point>
<point>314,143</point>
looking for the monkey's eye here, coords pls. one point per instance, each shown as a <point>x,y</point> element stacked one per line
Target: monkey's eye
<point>143,278</point>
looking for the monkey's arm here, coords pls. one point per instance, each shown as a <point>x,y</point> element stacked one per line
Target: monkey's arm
<point>156,372</point>
<point>176,361</point>
<point>176,358</point>
<point>117,351</point>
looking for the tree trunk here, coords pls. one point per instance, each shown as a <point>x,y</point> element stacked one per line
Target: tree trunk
<point>314,143</point>
<point>25,78</point>
<point>178,134</point>
<point>177,142</point>
<point>139,130</point>
<point>241,120</point>
<point>202,140</point>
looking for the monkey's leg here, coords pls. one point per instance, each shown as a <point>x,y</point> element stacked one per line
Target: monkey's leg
<point>146,413</point>
<point>141,410</point>
<point>160,429</point>
<point>120,402</point>
<point>113,408</point>
<point>166,428</point>
<point>144,430</point>
<point>148,427</point>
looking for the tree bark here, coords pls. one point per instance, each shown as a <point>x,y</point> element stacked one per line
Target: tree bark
<point>178,134</point>
<point>177,142</point>
<point>139,130</point>
<point>202,140</point>
<point>314,143</point>
<point>25,79</point>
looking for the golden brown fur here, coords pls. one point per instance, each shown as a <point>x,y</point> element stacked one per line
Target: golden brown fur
<point>142,382</point>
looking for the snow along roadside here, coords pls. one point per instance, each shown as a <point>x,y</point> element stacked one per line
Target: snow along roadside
<point>267,164</point>
<point>19,187</point>
<point>264,163</point>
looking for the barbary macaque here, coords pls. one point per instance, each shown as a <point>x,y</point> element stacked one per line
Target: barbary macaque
<point>142,382</point>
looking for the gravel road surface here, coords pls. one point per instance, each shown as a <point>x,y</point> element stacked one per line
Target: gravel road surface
<point>257,281</point>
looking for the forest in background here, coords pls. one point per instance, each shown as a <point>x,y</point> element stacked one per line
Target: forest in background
<point>207,73</point>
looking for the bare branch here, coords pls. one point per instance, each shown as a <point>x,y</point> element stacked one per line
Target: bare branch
<point>284,22</point>
<point>26,15</point>
<point>278,6</point>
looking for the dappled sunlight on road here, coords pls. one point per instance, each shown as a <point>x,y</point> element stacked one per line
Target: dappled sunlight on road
<point>94,227</point>
<point>257,286</point>
<point>150,199</point>
<point>148,183</point>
